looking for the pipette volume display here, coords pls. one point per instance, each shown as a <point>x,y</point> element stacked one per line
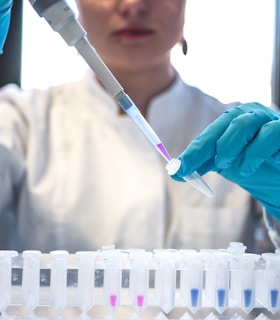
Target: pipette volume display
<point>62,20</point>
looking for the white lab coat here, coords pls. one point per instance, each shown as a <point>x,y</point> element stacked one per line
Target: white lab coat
<point>81,175</point>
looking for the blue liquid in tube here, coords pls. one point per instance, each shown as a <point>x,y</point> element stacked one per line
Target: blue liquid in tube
<point>274,294</point>
<point>248,297</point>
<point>221,293</point>
<point>194,297</point>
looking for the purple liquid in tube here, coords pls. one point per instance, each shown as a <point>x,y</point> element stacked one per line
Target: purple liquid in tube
<point>140,300</point>
<point>161,149</point>
<point>113,300</point>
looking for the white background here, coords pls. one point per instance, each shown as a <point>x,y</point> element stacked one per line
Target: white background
<point>230,46</point>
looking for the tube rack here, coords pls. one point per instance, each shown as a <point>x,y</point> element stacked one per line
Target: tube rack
<point>218,280</point>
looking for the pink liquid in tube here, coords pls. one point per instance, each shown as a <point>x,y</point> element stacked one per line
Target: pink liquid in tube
<point>113,300</point>
<point>140,301</point>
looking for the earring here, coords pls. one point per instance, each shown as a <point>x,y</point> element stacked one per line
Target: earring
<point>184,46</point>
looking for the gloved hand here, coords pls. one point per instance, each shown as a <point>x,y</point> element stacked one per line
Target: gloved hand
<point>5,12</point>
<point>242,145</point>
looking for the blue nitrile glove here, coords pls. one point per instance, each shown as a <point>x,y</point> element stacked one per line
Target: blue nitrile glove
<point>5,12</point>
<point>242,145</point>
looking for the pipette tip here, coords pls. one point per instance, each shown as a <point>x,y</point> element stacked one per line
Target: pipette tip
<point>194,179</point>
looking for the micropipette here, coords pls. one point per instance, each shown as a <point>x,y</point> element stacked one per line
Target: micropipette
<point>62,19</point>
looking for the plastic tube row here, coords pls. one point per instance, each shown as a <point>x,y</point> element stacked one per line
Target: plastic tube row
<point>219,279</point>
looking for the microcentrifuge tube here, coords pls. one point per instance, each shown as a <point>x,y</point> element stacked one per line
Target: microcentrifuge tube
<point>58,279</point>
<point>86,269</point>
<point>165,279</point>
<point>243,280</point>
<point>191,280</point>
<point>139,278</point>
<point>31,279</point>
<point>5,278</point>
<point>194,179</point>
<point>217,279</point>
<point>112,278</point>
<point>271,287</point>
<point>236,248</point>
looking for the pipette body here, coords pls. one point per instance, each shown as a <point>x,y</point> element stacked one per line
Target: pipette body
<point>62,19</point>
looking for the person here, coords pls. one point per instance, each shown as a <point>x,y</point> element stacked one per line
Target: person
<point>77,174</point>
<point>5,13</point>
<point>242,145</point>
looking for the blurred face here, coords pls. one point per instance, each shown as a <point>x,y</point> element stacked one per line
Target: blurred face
<point>133,33</point>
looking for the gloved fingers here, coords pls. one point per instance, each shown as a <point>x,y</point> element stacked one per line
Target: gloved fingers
<point>254,106</point>
<point>5,9</point>
<point>276,157</point>
<point>265,145</point>
<point>5,6</point>
<point>239,135</point>
<point>200,153</point>
<point>206,166</point>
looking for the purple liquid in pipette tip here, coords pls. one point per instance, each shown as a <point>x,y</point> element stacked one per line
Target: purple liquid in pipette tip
<point>161,149</point>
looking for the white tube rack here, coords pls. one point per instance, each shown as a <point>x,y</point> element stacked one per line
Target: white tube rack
<point>169,279</point>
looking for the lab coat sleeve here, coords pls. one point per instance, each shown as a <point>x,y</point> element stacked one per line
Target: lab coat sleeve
<point>11,172</point>
<point>13,134</point>
<point>273,228</point>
